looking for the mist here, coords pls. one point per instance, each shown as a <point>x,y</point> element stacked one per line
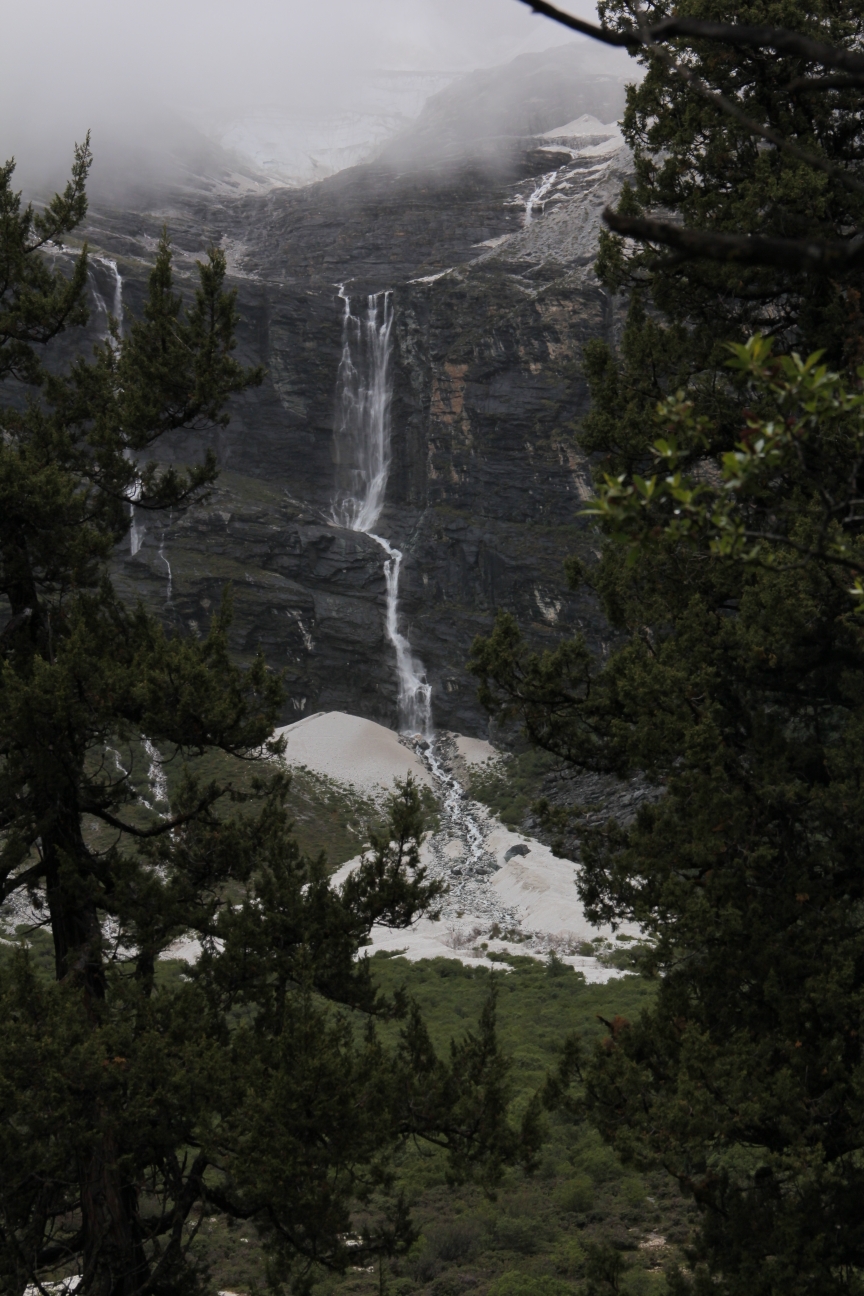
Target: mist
<point>142,77</point>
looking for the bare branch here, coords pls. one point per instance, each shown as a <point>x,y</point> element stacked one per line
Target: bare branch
<point>167,825</point>
<point>28,878</point>
<point>780,39</point>
<point>745,249</point>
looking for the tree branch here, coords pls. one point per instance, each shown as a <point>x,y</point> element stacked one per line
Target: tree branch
<point>780,39</point>
<point>27,878</point>
<point>177,821</point>
<point>746,249</point>
<point>771,136</point>
<point>650,37</point>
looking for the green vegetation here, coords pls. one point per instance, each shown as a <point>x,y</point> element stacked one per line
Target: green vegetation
<point>511,784</point>
<point>276,1112</point>
<point>138,1094</point>
<point>729,480</point>
<point>325,815</point>
<point>541,1228</point>
<point>580,1214</point>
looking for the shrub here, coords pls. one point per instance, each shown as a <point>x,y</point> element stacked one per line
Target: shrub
<point>633,1191</point>
<point>456,1241</point>
<point>600,1163</point>
<point>576,1195</point>
<point>518,1284</point>
<point>450,1243</point>
<point>454,1284</point>
<point>518,1233</point>
<point>569,1257</point>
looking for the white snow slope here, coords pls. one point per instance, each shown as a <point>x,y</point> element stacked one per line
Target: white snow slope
<point>524,904</point>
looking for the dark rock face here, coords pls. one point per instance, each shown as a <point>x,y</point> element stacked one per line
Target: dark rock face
<point>310,597</point>
<point>486,483</point>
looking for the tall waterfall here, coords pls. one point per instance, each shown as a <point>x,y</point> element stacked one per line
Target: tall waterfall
<point>117,296</point>
<point>136,530</point>
<point>415,694</point>
<point>364,389</point>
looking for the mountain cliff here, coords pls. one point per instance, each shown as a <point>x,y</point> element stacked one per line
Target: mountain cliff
<point>481,222</point>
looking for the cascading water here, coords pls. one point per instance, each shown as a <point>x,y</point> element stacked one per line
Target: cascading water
<point>156,775</point>
<point>362,436</point>
<point>364,390</point>
<point>415,694</point>
<point>170,585</point>
<point>136,532</point>
<point>538,195</point>
<point>117,305</point>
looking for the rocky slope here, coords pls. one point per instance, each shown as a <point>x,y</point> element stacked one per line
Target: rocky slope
<point>486,242</point>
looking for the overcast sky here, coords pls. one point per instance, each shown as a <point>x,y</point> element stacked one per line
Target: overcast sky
<point>104,64</point>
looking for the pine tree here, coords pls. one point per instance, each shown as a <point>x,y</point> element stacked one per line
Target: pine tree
<point>256,1085</point>
<point>728,489</point>
<point>709,168</point>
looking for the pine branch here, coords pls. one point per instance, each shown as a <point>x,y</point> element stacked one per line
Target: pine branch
<point>780,39</point>
<point>745,249</point>
<point>784,41</point>
<point>176,821</point>
<point>28,878</point>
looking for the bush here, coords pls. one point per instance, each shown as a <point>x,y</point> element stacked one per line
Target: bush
<point>516,1234</point>
<point>455,1242</point>
<point>453,1284</point>
<point>569,1257</point>
<point>577,1195</point>
<point>510,784</point>
<point>633,1191</point>
<point>636,1282</point>
<point>450,1243</point>
<point>425,1265</point>
<point>518,1284</point>
<point>600,1163</point>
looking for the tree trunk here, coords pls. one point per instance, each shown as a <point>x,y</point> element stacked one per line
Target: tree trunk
<point>115,1263</point>
<point>69,881</point>
<point>114,1260</point>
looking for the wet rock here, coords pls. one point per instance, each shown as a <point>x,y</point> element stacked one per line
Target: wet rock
<point>519,849</point>
<point>486,481</point>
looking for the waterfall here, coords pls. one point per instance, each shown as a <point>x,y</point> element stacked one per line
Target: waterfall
<point>116,310</point>
<point>415,694</point>
<point>364,388</point>
<point>156,777</point>
<point>539,193</point>
<point>136,531</point>
<point>169,589</point>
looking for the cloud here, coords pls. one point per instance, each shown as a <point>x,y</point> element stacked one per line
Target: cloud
<point>122,67</point>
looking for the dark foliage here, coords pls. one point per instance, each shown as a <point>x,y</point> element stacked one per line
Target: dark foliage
<point>256,1084</point>
<point>732,572</point>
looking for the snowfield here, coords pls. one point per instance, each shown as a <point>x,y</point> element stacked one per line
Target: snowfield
<point>507,892</point>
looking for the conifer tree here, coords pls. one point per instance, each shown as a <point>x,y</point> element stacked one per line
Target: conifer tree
<point>257,1085</point>
<point>729,480</point>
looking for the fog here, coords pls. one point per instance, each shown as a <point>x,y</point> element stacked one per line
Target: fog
<point>137,73</point>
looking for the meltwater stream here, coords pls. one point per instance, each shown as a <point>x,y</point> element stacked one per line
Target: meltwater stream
<point>364,389</point>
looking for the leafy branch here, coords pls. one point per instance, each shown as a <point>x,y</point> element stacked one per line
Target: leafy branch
<point>749,506</point>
